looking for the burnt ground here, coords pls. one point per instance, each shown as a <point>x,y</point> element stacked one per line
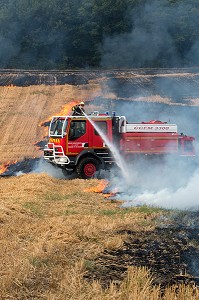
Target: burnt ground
<point>171,253</point>
<point>21,167</point>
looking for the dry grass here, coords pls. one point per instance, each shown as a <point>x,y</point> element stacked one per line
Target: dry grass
<point>51,228</point>
<point>22,109</point>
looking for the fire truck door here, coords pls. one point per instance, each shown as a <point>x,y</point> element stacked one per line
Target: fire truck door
<point>96,140</point>
<point>77,137</point>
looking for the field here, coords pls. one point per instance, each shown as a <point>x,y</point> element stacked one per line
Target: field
<point>62,238</point>
<point>23,109</point>
<point>61,242</point>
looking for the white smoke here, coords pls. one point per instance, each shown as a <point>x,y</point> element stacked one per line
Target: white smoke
<point>44,167</point>
<point>169,185</point>
<point>186,197</point>
<point>166,183</point>
<point>19,173</point>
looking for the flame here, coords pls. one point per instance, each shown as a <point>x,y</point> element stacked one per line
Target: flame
<point>112,193</point>
<point>65,111</point>
<point>99,188</point>
<point>4,167</point>
<point>11,85</point>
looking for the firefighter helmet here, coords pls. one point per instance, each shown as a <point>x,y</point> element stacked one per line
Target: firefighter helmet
<point>81,103</point>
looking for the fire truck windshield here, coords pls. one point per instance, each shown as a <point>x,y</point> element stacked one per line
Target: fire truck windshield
<point>58,126</point>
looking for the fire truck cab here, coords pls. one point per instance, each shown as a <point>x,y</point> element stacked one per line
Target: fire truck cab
<point>75,144</point>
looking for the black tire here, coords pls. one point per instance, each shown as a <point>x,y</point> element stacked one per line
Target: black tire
<point>87,167</point>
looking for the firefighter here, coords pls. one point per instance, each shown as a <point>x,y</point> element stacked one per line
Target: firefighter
<point>78,110</point>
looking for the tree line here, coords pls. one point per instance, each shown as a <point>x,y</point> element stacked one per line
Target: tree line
<point>68,34</point>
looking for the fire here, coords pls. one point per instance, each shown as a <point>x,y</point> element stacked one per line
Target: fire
<point>65,111</point>
<point>99,188</point>
<point>11,85</point>
<point>112,193</point>
<point>4,167</point>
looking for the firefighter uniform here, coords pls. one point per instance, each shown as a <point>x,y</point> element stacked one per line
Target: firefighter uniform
<point>78,110</point>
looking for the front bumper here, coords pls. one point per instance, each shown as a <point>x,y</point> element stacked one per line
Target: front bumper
<point>55,154</point>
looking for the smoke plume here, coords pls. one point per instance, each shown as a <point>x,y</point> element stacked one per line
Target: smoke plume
<point>170,97</point>
<point>152,41</point>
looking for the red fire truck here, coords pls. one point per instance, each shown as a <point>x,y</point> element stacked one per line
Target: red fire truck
<point>75,144</point>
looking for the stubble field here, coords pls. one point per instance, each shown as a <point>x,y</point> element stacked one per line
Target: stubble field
<point>60,239</point>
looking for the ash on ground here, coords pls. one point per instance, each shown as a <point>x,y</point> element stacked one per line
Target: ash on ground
<point>171,252</point>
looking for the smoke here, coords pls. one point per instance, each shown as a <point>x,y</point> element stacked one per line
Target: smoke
<point>194,53</point>
<point>169,184</point>
<point>154,40</point>
<point>44,167</point>
<point>165,181</point>
<point>186,197</point>
<point>164,33</point>
<point>47,34</point>
<point>28,36</point>
<point>7,49</point>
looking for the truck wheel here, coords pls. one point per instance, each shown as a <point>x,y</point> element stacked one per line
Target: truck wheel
<point>87,168</point>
